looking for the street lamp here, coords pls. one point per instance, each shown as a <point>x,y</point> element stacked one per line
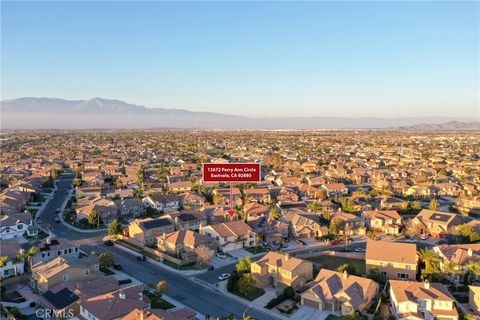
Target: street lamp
<point>244,312</point>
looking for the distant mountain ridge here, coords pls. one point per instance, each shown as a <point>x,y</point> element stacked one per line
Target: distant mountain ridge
<point>54,113</point>
<point>447,126</point>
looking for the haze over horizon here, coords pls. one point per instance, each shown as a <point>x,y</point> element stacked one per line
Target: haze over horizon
<point>281,59</point>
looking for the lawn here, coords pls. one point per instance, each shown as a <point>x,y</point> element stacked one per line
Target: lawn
<point>191,266</point>
<point>258,292</point>
<point>333,262</point>
<point>255,250</point>
<point>41,235</point>
<point>158,303</point>
<point>13,297</point>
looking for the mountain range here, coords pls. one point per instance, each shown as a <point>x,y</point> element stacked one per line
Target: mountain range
<point>54,113</point>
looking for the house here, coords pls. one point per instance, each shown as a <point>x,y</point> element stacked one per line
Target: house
<point>474,298</point>
<point>188,220</point>
<point>231,235</point>
<point>279,269</point>
<point>261,195</point>
<point>386,221</point>
<point>254,209</point>
<point>147,230</point>
<point>339,292</point>
<point>106,213</point>
<point>162,202</point>
<point>268,229</point>
<point>183,242</point>
<point>192,199</point>
<point>224,196</point>
<point>17,225</point>
<point>114,305</point>
<point>10,266</point>
<point>304,226</point>
<point>393,259</point>
<point>456,257</point>
<point>50,248</point>
<point>64,298</point>
<point>417,300</point>
<point>353,224</point>
<point>159,314</point>
<point>130,207</point>
<point>437,224</point>
<point>335,189</point>
<point>46,275</point>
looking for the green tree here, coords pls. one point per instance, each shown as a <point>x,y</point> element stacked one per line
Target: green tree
<point>93,218</point>
<point>346,267</point>
<point>31,253</point>
<point>3,261</point>
<point>274,213</point>
<point>313,206</point>
<point>244,265</point>
<point>415,205</point>
<point>376,275</point>
<point>217,197</point>
<point>55,174</point>
<point>431,261</point>
<point>468,233</point>
<point>336,226</point>
<point>106,260</point>
<point>161,287</point>
<point>246,284</point>
<point>114,228</point>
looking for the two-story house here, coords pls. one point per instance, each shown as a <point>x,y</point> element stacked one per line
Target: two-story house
<point>162,202</point>
<point>339,293</point>
<point>279,269</point>
<point>231,235</point>
<point>48,274</point>
<point>184,243</point>
<point>393,259</point>
<point>50,248</point>
<point>417,300</point>
<point>304,226</point>
<point>11,266</point>
<point>386,221</point>
<point>17,225</point>
<point>437,223</point>
<point>147,230</point>
<point>455,259</point>
<point>188,220</point>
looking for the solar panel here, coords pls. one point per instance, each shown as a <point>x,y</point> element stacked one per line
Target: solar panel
<point>61,299</point>
<point>187,217</point>
<point>440,217</point>
<point>156,223</point>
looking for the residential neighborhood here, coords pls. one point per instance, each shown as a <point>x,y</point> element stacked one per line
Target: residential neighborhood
<point>110,230</point>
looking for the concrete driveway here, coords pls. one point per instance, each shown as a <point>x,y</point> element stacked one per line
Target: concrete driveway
<point>307,313</point>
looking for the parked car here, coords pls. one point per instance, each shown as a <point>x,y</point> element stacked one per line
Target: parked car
<point>142,258</point>
<point>57,219</point>
<point>117,266</point>
<point>423,237</point>
<point>220,255</point>
<point>58,210</point>
<point>109,243</point>
<point>223,276</point>
<point>314,251</point>
<point>411,240</point>
<point>360,250</point>
<point>334,242</point>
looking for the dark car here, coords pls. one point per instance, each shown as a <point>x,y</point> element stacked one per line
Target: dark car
<point>142,258</point>
<point>334,242</point>
<point>117,266</point>
<point>108,243</point>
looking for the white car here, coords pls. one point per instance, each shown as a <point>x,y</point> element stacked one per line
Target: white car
<point>423,237</point>
<point>360,250</point>
<point>411,240</point>
<point>220,255</point>
<point>223,276</point>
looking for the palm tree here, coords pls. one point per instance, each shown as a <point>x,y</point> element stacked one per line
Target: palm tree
<point>451,268</point>
<point>431,260</point>
<point>31,253</point>
<point>20,256</point>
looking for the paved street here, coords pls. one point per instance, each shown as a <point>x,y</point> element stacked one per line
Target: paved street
<point>186,290</point>
<point>48,214</point>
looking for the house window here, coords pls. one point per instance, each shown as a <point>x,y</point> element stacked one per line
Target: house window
<point>48,254</point>
<point>65,277</point>
<point>43,255</point>
<point>76,249</point>
<point>70,250</point>
<point>87,272</point>
<point>402,276</point>
<point>65,251</point>
<point>59,253</point>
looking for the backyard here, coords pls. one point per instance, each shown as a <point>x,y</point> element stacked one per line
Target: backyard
<point>333,262</point>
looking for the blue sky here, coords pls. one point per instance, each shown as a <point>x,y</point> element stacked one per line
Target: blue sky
<point>251,58</point>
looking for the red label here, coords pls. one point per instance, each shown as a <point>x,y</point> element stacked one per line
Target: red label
<point>231,172</point>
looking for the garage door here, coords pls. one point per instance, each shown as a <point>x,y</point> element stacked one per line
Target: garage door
<point>310,303</point>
